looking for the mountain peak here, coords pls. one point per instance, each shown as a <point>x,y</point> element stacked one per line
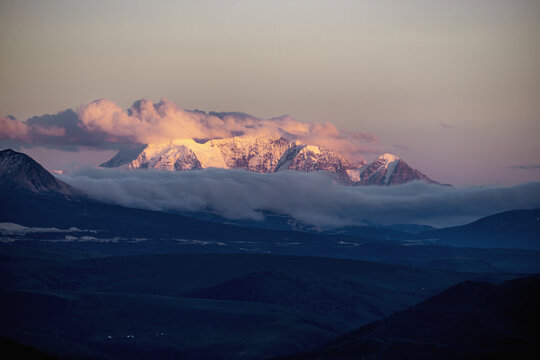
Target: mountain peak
<point>387,169</point>
<point>19,171</point>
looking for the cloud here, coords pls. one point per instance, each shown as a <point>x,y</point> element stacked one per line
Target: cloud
<point>103,124</point>
<point>148,122</point>
<point>312,198</point>
<point>62,130</point>
<point>11,128</point>
<point>525,167</point>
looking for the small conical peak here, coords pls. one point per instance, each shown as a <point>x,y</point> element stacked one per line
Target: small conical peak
<point>19,171</point>
<point>388,157</point>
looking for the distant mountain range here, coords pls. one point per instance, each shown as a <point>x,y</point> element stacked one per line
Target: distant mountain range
<point>25,187</point>
<point>264,155</point>
<point>516,228</point>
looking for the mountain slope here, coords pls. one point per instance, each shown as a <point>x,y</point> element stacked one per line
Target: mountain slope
<point>19,172</point>
<point>387,169</point>
<point>166,157</point>
<point>259,154</point>
<point>308,158</point>
<point>518,229</point>
<point>124,156</point>
<point>468,321</point>
<point>347,299</point>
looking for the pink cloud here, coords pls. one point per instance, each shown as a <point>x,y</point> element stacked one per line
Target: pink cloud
<point>11,128</point>
<point>102,124</point>
<point>148,122</point>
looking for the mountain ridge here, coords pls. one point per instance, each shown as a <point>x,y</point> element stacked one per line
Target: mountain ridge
<point>519,228</point>
<point>265,155</point>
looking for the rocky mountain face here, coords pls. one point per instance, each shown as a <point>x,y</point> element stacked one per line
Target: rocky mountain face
<point>19,172</point>
<point>387,169</point>
<point>166,157</point>
<point>308,158</point>
<point>264,155</point>
<point>258,154</point>
<point>124,156</point>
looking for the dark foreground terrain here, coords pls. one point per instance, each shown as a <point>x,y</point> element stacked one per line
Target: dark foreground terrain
<point>199,306</point>
<point>471,320</point>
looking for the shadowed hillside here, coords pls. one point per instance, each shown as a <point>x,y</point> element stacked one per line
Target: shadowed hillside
<point>470,320</point>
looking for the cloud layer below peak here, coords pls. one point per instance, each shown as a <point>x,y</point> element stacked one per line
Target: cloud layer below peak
<point>309,197</point>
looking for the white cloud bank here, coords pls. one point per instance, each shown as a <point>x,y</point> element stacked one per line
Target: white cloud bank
<point>310,197</point>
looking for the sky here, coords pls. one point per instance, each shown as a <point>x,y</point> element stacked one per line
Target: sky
<point>451,87</point>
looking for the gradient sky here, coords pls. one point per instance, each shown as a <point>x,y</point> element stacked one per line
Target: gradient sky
<point>452,87</point>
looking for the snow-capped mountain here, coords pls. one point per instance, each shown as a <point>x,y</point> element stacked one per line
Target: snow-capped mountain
<point>259,154</point>
<point>170,157</point>
<point>308,158</point>
<point>20,172</point>
<point>124,156</point>
<point>387,169</point>
<point>265,155</point>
